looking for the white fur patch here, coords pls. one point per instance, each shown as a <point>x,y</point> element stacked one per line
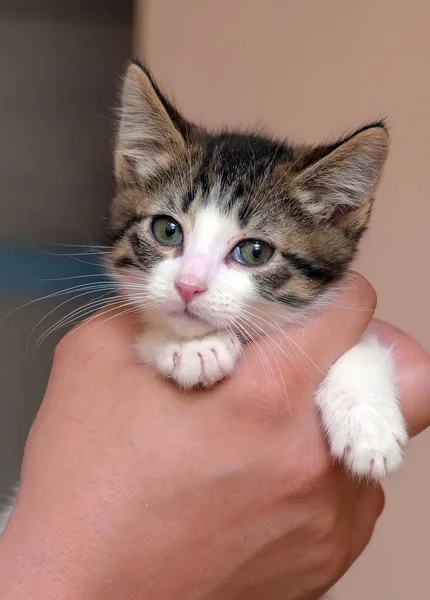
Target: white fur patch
<point>229,289</point>
<point>360,411</point>
<point>190,363</point>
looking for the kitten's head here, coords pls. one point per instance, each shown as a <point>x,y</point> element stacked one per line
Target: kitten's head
<point>231,230</point>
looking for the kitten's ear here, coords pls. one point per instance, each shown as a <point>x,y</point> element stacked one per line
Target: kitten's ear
<point>337,182</point>
<point>151,131</point>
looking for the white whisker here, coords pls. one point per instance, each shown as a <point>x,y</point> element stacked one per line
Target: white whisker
<point>264,337</point>
<point>59,306</point>
<point>78,314</point>
<point>262,357</point>
<point>287,337</point>
<point>97,315</point>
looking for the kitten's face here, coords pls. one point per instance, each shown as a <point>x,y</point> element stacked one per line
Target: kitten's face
<point>232,231</point>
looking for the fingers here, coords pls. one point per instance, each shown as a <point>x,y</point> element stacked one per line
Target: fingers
<point>413,375</point>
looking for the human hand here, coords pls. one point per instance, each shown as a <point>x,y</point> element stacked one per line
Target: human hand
<point>133,489</point>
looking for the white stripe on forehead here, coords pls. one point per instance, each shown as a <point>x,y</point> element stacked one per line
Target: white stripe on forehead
<point>211,231</point>
<point>206,246</point>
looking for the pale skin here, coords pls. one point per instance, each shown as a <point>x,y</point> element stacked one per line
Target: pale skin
<point>131,489</point>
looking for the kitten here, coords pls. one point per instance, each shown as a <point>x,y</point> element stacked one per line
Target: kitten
<point>231,236</point>
<point>223,237</point>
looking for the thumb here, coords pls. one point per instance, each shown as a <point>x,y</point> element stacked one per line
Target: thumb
<point>413,375</point>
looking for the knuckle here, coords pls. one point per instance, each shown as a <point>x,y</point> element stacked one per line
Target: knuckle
<point>337,560</point>
<point>326,525</point>
<point>334,542</point>
<point>331,548</point>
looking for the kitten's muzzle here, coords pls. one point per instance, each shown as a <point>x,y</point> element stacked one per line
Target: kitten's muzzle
<point>196,272</point>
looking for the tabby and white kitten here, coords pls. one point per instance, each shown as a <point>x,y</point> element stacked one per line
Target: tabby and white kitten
<point>232,235</point>
<point>229,236</point>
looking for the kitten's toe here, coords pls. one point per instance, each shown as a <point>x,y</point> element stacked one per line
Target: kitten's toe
<point>207,361</point>
<point>168,358</point>
<point>192,363</point>
<point>375,462</point>
<point>203,362</point>
<point>368,442</point>
<point>224,353</point>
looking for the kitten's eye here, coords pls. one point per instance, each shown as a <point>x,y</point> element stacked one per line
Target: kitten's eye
<point>252,253</point>
<point>166,231</point>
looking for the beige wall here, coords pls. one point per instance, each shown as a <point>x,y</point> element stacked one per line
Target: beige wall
<point>309,70</point>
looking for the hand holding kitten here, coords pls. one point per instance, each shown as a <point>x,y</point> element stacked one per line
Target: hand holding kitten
<point>133,489</point>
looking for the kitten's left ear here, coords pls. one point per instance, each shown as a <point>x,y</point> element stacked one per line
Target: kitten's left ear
<point>151,132</point>
<point>337,182</point>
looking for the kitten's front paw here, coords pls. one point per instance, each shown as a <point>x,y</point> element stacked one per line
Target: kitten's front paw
<point>368,440</point>
<point>194,363</point>
<point>360,411</point>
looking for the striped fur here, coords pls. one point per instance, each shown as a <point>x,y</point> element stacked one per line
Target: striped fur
<point>312,204</point>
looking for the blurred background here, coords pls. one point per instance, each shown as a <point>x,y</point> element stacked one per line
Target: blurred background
<point>60,64</point>
<point>307,70</point>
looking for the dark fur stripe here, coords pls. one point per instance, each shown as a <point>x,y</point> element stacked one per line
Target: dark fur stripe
<point>236,197</point>
<point>124,262</point>
<point>188,198</point>
<point>117,234</point>
<point>273,279</point>
<point>204,185</point>
<point>244,213</point>
<point>294,301</point>
<point>309,269</point>
<point>145,252</point>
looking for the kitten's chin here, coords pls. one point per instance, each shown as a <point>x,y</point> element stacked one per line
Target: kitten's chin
<point>189,325</point>
<point>181,322</point>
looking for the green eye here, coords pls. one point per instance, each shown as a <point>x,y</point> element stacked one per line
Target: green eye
<point>252,253</point>
<point>166,231</point>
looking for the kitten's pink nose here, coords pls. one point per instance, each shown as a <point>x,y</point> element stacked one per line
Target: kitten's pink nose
<point>188,291</point>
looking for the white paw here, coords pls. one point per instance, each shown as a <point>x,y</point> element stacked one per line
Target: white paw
<point>368,441</point>
<point>194,363</point>
<point>360,411</point>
